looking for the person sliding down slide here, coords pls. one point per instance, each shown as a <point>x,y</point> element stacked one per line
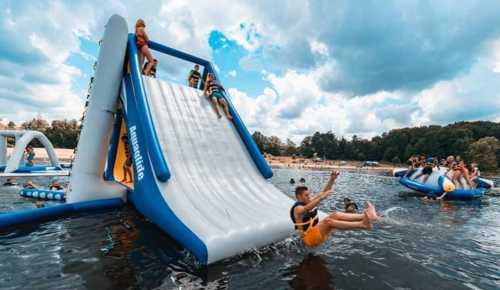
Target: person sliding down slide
<point>314,231</point>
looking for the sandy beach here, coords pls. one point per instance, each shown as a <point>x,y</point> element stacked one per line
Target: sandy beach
<point>307,163</point>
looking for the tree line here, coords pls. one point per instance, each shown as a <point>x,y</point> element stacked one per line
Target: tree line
<point>474,141</point>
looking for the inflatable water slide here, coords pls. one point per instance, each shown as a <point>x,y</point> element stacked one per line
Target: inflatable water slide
<point>199,178</point>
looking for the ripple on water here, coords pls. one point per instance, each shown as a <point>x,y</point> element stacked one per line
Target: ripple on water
<point>454,245</point>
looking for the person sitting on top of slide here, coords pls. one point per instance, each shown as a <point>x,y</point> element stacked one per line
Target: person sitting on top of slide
<point>314,231</point>
<point>214,92</point>
<point>142,44</point>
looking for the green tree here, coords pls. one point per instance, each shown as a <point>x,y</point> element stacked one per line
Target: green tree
<point>484,152</point>
<point>11,125</point>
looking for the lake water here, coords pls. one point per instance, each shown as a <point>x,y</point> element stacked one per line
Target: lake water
<point>452,245</point>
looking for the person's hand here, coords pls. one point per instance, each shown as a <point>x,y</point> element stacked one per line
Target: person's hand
<point>334,175</point>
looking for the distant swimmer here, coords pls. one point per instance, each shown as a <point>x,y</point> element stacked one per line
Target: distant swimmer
<point>314,231</point>
<point>55,185</point>
<point>11,181</point>
<point>302,181</point>
<point>350,206</point>
<point>292,181</point>
<point>29,184</point>
<point>127,164</point>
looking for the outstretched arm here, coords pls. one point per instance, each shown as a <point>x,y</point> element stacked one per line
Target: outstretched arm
<point>331,181</point>
<point>327,191</point>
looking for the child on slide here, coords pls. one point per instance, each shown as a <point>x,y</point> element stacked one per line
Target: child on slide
<point>314,231</point>
<point>214,91</point>
<point>142,45</point>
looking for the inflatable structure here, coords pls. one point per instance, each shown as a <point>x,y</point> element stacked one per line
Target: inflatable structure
<point>434,185</point>
<point>15,165</point>
<point>201,179</point>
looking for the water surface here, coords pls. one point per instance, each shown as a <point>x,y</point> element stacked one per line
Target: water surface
<point>452,245</point>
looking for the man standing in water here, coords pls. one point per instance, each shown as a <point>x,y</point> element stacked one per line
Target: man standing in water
<point>314,231</point>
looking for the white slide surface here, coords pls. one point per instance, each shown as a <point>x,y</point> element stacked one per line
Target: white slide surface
<point>215,188</point>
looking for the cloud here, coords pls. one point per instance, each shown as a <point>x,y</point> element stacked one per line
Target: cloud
<point>294,67</point>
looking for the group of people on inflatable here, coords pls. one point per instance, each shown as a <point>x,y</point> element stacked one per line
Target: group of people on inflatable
<point>54,184</point>
<point>212,88</point>
<point>457,170</point>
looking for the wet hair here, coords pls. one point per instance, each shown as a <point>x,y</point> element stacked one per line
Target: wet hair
<point>140,23</point>
<point>196,66</point>
<point>303,180</point>
<point>292,181</point>
<point>300,189</point>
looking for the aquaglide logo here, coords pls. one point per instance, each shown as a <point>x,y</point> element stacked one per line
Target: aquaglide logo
<point>138,161</point>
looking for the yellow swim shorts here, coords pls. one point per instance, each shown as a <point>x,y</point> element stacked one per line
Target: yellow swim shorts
<point>313,237</point>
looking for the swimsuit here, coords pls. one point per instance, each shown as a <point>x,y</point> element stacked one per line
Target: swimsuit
<point>195,76</point>
<point>214,90</point>
<point>140,41</point>
<point>309,229</point>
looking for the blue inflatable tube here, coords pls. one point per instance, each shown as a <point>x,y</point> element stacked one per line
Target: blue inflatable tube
<point>44,194</point>
<point>41,214</point>
<point>435,190</point>
<point>34,168</point>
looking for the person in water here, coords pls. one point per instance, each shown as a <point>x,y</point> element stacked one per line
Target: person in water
<point>127,165</point>
<point>350,206</point>
<point>194,77</point>
<point>314,231</point>
<point>55,185</point>
<point>29,184</point>
<point>11,181</point>
<point>142,45</point>
<point>214,91</point>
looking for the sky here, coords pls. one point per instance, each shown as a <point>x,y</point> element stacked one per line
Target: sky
<point>291,67</point>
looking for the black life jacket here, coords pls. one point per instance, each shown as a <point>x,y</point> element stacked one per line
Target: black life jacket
<point>310,215</point>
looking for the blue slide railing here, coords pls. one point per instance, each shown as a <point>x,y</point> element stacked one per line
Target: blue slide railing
<point>157,158</point>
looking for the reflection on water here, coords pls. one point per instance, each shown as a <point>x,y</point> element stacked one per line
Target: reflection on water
<point>312,273</point>
<point>416,245</point>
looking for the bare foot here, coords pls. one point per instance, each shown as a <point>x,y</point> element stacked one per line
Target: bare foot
<point>371,212</point>
<point>229,117</point>
<point>366,221</point>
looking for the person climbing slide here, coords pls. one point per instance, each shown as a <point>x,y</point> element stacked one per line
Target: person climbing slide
<point>314,231</point>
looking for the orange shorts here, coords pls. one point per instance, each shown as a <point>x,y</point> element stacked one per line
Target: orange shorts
<point>313,237</point>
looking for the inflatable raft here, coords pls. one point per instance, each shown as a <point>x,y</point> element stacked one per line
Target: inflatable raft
<point>44,194</point>
<point>435,185</point>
